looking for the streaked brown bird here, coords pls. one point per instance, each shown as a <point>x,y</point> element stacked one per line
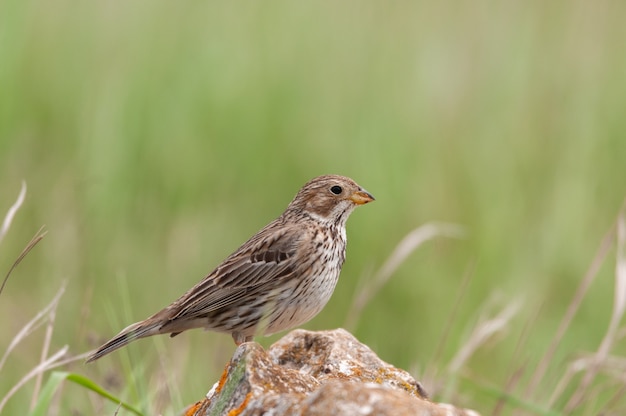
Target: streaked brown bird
<point>280,278</point>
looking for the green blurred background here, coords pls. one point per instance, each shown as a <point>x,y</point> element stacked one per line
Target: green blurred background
<point>156,136</point>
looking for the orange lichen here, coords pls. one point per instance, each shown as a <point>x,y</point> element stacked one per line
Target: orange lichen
<point>242,407</point>
<point>193,409</point>
<point>223,379</point>
<point>387,374</point>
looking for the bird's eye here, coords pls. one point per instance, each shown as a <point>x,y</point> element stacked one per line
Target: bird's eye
<point>336,189</point>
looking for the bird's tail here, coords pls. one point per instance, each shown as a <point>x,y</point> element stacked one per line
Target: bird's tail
<point>135,331</point>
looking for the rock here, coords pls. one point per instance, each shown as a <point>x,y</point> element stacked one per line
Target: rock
<point>316,373</point>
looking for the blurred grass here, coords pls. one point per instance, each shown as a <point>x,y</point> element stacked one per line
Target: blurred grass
<point>156,137</point>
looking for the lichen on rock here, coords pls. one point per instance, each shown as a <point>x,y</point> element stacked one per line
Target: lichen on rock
<point>316,373</point>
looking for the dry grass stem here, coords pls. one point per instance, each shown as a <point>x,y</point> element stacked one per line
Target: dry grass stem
<point>44,354</point>
<point>572,369</point>
<point>431,371</point>
<point>32,243</point>
<point>619,395</point>
<point>581,291</point>
<point>619,306</point>
<point>510,385</point>
<point>518,370</point>
<point>483,330</point>
<point>50,363</point>
<point>32,325</point>
<point>41,368</point>
<point>407,246</point>
<point>8,219</point>
<point>615,367</point>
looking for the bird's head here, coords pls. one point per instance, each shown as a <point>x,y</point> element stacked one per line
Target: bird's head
<point>330,198</point>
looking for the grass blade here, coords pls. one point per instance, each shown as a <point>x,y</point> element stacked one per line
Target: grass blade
<point>54,382</point>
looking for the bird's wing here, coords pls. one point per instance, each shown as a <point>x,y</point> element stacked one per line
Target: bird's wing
<point>256,266</point>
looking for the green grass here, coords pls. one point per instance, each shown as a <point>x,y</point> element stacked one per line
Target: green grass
<point>155,137</point>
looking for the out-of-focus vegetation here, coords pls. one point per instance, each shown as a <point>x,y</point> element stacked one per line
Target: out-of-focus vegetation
<point>156,136</point>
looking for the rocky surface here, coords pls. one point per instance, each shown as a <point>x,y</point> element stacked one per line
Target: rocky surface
<point>316,373</point>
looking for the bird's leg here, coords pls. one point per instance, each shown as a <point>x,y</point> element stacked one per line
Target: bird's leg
<point>240,338</point>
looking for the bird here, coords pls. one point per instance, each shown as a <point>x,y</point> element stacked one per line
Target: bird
<point>277,280</point>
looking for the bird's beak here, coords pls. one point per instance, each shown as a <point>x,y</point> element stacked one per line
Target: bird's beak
<point>361,197</point>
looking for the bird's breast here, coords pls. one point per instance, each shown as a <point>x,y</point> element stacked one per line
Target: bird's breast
<point>320,260</point>
<point>318,280</point>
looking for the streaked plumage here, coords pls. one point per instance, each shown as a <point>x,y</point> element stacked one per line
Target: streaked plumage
<point>278,279</point>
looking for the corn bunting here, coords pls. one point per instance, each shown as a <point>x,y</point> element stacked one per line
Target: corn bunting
<point>278,279</point>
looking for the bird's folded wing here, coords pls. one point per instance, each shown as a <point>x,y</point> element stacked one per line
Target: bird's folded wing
<point>241,275</point>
